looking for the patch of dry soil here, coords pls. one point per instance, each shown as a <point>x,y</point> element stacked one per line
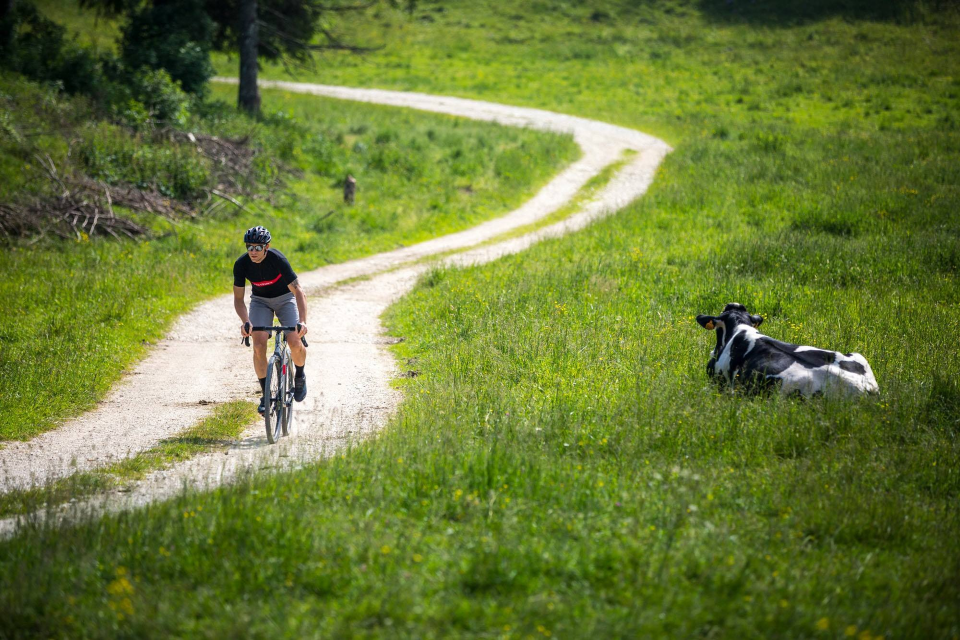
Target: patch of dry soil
<point>349,369</point>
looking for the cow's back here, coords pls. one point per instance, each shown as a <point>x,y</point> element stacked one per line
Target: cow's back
<point>754,360</point>
<point>847,374</point>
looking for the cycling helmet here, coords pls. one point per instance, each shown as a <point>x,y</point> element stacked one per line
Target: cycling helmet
<point>256,235</point>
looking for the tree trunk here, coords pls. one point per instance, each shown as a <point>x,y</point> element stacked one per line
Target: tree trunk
<point>6,27</point>
<point>248,97</point>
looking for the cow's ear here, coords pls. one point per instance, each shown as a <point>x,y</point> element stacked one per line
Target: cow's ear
<point>707,322</point>
<point>755,321</point>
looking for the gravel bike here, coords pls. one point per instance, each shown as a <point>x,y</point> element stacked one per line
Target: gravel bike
<point>278,390</point>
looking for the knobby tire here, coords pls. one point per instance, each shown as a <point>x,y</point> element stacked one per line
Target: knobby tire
<point>273,409</point>
<point>288,393</point>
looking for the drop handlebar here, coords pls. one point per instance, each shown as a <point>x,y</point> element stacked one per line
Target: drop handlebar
<point>246,339</point>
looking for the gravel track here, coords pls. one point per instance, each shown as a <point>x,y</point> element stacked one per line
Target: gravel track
<point>199,362</point>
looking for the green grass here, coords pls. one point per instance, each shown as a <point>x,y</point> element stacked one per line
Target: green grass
<point>587,192</point>
<point>95,307</point>
<point>224,425</point>
<point>670,68</point>
<point>91,30</point>
<point>562,467</point>
<point>584,195</point>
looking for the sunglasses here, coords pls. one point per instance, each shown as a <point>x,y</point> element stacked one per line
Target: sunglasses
<point>256,248</point>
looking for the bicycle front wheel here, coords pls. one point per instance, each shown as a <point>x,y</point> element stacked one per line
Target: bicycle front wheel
<point>273,400</point>
<point>288,392</point>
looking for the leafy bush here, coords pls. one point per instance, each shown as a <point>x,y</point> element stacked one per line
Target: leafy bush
<point>107,153</point>
<point>79,71</point>
<point>326,155</point>
<point>29,41</point>
<point>163,98</point>
<point>133,114</point>
<point>175,36</point>
<point>37,48</point>
<point>165,55</point>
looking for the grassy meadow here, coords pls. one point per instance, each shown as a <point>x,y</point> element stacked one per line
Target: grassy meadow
<point>672,68</point>
<point>96,305</point>
<point>562,467</point>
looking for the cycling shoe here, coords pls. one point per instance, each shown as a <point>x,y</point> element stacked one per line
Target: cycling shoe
<point>261,408</point>
<point>300,388</point>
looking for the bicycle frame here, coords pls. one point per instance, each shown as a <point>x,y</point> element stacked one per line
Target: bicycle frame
<point>278,410</point>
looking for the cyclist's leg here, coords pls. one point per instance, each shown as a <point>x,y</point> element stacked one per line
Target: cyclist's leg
<point>286,308</point>
<point>261,315</point>
<point>297,351</point>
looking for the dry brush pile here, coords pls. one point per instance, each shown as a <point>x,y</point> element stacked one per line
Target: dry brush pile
<point>72,204</point>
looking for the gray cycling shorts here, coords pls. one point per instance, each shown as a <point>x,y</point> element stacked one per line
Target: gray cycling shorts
<point>262,311</point>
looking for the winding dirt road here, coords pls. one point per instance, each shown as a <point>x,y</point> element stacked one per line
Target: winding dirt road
<point>349,369</point>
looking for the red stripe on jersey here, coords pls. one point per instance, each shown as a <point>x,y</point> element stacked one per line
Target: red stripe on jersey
<point>266,283</point>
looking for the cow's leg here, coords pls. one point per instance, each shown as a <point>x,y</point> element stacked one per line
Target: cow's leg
<point>711,367</point>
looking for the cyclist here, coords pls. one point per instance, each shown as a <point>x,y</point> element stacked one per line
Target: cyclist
<point>275,291</point>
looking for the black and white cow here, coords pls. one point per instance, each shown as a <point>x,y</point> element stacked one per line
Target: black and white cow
<point>745,357</point>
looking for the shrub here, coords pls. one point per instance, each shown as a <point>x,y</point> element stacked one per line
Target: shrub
<point>165,51</point>
<point>37,48</point>
<point>109,154</point>
<point>29,41</point>
<point>133,113</point>
<point>175,36</point>
<point>163,98</point>
<point>80,71</point>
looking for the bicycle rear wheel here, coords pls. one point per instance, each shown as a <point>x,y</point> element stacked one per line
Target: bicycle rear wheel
<point>288,392</point>
<point>273,400</point>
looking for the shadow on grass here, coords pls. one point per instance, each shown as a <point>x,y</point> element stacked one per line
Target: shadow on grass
<point>943,406</point>
<point>786,13</point>
<point>196,441</point>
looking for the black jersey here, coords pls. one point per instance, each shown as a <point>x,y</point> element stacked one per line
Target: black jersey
<point>269,278</point>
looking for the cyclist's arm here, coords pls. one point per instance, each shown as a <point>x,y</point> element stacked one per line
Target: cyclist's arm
<point>238,304</point>
<point>301,299</point>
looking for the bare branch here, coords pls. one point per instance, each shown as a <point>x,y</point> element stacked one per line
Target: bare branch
<point>227,198</point>
<point>335,44</point>
<point>346,8</point>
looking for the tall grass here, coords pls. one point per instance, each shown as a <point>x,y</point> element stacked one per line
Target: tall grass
<point>212,433</point>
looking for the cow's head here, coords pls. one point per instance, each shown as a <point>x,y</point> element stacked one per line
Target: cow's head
<point>734,314</point>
